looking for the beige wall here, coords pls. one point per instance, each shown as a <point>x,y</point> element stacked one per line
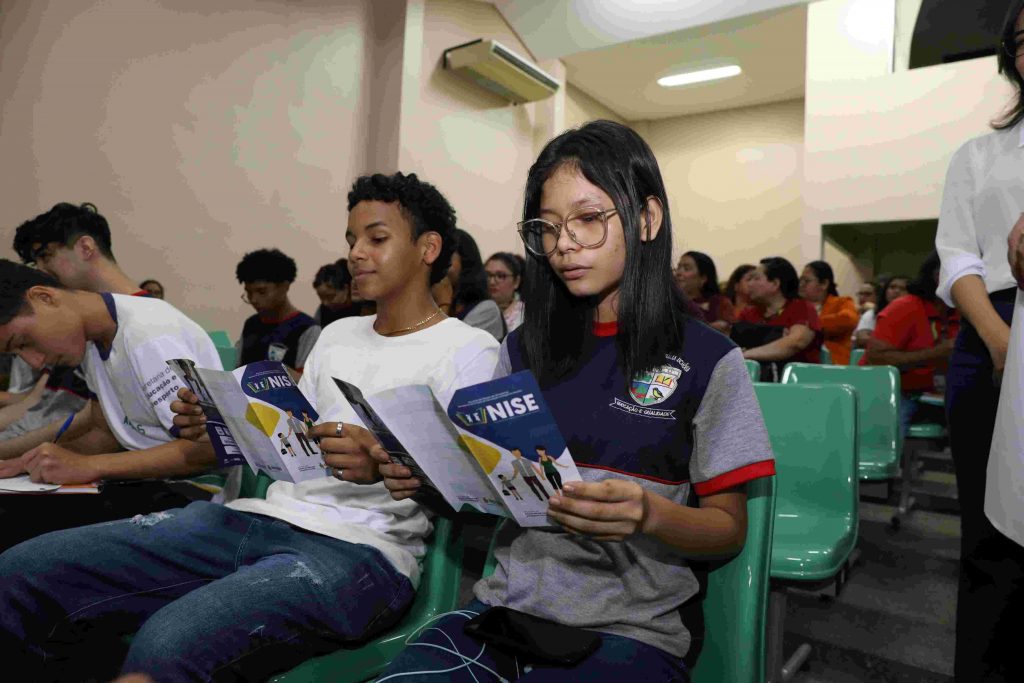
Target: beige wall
<point>877,145</point>
<point>733,180</point>
<point>581,107</point>
<point>200,133</point>
<point>472,144</point>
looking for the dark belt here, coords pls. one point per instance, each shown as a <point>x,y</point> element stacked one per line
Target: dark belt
<point>1004,295</point>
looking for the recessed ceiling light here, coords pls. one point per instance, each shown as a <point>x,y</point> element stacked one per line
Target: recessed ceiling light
<point>700,76</point>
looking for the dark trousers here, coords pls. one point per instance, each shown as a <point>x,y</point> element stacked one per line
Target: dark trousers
<point>990,598</point>
<point>25,516</point>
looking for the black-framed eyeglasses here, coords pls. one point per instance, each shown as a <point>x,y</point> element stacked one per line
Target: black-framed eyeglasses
<point>586,227</point>
<point>498,277</point>
<point>1013,45</point>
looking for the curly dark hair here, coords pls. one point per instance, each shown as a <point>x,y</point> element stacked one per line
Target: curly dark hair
<point>64,223</point>
<point>266,265</point>
<point>421,203</point>
<point>334,274</point>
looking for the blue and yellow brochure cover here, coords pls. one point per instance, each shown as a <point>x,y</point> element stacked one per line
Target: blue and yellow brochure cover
<point>256,414</point>
<point>494,449</point>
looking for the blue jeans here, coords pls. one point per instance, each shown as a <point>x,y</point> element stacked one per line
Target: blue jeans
<point>616,659</point>
<point>212,593</point>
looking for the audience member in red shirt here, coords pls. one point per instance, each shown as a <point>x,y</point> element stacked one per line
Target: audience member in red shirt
<point>773,292</point>
<point>915,333</point>
<point>697,276</point>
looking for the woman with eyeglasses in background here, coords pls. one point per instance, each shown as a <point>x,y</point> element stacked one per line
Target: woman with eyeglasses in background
<point>982,200</point>
<point>504,275</point>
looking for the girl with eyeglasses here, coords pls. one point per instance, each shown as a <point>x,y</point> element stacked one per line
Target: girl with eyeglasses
<point>982,200</point>
<point>658,413</point>
<point>504,276</point>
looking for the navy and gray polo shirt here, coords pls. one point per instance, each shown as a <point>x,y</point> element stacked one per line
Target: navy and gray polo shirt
<point>691,428</point>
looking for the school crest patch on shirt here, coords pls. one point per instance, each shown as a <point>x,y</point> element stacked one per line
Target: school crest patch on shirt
<point>652,388</point>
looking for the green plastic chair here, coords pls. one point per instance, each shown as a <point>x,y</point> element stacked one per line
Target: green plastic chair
<point>878,392</point>
<point>228,357</point>
<point>826,356</point>
<point>736,604</point>
<point>753,369</point>
<point>813,430</point>
<point>220,338</point>
<point>438,593</point>
<point>855,356</point>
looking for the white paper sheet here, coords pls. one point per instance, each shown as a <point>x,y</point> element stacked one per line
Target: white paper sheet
<point>22,484</point>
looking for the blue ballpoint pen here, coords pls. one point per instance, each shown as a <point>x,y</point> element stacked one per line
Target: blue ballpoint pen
<point>64,427</point>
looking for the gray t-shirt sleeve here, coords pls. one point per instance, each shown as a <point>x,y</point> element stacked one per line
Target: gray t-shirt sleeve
<point>486,316</point>
<point>504,367</point>
<point>729,429</point>
<point>306,343</point>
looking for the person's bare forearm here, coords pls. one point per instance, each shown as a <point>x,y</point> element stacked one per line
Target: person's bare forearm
<point>94,441</point>
<point>905,359</point>
<point>174,459</point>
<point>971,299</point>
<point>19,445</point>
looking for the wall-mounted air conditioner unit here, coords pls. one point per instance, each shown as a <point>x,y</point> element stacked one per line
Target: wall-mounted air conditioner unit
<point>495,67</point>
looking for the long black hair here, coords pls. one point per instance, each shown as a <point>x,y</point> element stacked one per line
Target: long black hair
<point>1008,68</point>
<point>472,286</point>
<point>706,269</point>
<point>778,268</point>
<point>651,310</point>
<point>924,285</point>
<point>823,271</point>
<point>734,279</point>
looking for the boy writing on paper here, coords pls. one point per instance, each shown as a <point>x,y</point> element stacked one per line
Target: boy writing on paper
<point>313,566</point>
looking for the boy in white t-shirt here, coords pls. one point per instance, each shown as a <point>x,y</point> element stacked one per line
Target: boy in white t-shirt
<point>125,342</point>
<point>254,587</point>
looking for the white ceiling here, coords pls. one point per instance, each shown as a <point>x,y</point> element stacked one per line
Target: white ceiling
<point>615,50</point>
<point>769,47</point>
<point>556,28</point>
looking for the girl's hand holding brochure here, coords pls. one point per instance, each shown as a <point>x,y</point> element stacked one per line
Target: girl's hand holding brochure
<point>609,510</point>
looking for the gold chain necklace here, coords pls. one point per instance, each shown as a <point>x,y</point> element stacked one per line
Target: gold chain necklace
<point>413,327</point>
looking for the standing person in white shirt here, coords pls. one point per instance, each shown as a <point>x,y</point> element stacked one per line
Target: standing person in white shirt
<point>246,590</point>
<point>982,200</point>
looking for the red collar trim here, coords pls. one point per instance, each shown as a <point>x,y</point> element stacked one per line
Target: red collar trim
<point>606,329</point>
<point>142,292</point>
<point>271,321</point>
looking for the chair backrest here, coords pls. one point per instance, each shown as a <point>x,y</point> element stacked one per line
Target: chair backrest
<point>856,355</point>
<point>220,338</point>
<point>826,356</point>
<point>878,403</point>
<point>254,484</point>
<point>735,607</point>
<point>813,430</point>
<point>753,369</point>
<point>228,357</point>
